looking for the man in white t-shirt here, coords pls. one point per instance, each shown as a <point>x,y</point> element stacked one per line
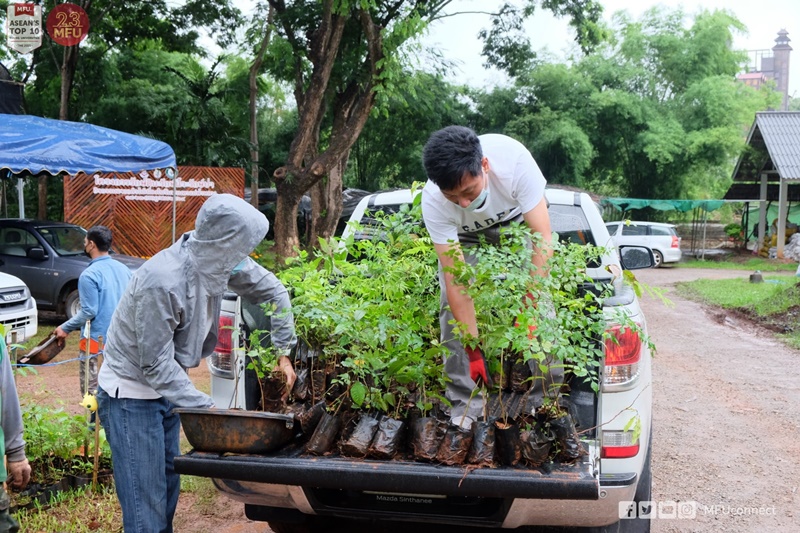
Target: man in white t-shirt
<point>475,186</point>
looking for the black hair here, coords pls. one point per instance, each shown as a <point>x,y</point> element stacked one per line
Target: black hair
<point>449,153</point>
<point>100,236</point>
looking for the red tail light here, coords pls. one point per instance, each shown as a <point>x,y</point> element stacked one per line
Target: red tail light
<point>221,360</point>
<point>619,445</point>
<point>623,352</point>
<point>623,347</point>
<point>225,335</point>
<point>676,241</point>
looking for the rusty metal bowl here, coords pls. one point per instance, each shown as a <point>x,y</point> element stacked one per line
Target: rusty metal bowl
<point>234,430</point>
<point>43,352</point>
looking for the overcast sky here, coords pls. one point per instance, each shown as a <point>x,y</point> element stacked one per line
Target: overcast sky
<point>457,36</point>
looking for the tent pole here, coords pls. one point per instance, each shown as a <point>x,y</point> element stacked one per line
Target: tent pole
<point>705,223</point>
<point>762,210</point>
<point>783,214</point>
<point>21,198</point>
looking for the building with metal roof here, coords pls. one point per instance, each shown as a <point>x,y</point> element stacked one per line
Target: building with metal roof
<point>769,168</point>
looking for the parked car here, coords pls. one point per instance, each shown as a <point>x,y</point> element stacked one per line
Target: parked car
<point>18,313</point>
<point>362,212</point>
<point>48,256</point>
<point>661,238</point>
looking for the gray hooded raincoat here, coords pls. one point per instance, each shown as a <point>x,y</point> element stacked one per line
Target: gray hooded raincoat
<point>167,318</point>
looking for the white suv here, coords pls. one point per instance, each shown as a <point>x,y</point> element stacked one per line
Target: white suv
<point>18,313</point>
<point>662,239</point>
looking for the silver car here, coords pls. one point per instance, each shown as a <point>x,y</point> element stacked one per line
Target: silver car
<point>662,239</point>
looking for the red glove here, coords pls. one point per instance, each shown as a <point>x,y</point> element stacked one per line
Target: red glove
<point>478,369</point>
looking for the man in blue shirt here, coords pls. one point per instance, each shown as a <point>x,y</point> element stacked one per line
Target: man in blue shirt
<point>100,287</point>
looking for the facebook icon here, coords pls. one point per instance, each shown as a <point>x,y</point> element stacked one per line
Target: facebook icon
<point>627,510</point>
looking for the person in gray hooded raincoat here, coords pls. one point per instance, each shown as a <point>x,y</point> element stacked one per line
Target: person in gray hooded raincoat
<point>165,323</point>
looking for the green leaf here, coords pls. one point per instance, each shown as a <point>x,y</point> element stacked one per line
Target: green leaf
<point>358,393</point>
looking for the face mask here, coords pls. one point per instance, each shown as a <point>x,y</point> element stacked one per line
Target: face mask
<point>240,266</point>
<point>479,200</point>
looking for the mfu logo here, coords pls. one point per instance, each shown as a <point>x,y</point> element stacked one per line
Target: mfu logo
<point>12,297</point>
<point>24,9</point>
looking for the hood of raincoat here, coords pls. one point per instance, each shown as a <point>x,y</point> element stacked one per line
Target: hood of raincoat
<point>227,230</point>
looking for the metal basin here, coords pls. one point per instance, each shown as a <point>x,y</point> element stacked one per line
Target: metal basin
<point>234,430</point>
<point>42,353</point>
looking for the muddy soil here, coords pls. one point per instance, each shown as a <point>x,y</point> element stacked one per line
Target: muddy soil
<point>726,421</point>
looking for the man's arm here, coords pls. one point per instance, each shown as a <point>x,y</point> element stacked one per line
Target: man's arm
<point>258,285</point>
<point>90,300</point>
<point>157,316</point>
<point>538,220</point>
<point>461,305</point>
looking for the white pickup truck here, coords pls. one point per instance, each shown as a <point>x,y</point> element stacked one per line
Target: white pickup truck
<point>296,492</point>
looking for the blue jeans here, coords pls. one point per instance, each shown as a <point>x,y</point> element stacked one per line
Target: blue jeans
<point>145,438</point>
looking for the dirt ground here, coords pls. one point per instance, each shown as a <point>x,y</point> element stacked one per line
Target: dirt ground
<point>726,420</point>
<point>726,415</point>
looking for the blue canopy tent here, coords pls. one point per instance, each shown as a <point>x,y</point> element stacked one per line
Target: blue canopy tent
<point>33,145</point>
<point>36,145</point>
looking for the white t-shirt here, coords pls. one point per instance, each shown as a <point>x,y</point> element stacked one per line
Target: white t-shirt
<point>516,185</point>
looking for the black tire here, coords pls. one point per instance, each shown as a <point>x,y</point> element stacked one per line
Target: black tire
<point>72,304</point>
<point>659,258</point>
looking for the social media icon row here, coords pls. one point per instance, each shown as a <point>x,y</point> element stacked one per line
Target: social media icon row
<point>647,510</point>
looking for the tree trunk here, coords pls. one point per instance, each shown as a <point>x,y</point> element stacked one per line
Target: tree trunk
<point>326,203</point>
<point>68,65</point>
<point>287,241</point>
<point>305,166</point>
<point>254,68</point>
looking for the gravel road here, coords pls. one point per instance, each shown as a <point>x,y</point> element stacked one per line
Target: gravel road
<point>726,416</point>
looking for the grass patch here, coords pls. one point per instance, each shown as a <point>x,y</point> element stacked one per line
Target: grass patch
<point>737,262</point>
<point>732,293</point>
<point>203,490</point>
<point>775,304</point>
<point>77,511</point>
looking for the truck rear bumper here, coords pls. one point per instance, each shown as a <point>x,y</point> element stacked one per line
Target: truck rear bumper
<point>572,482</point>
<point>568,495</point>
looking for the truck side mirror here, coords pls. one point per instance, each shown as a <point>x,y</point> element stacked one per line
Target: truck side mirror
<point>38,253</point>
<point>636,257</point>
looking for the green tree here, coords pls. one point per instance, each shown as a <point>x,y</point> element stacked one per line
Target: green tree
<point>655,112</point>
<point>64,87</point>
<point>388,153</point>
<point>339,55</point>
